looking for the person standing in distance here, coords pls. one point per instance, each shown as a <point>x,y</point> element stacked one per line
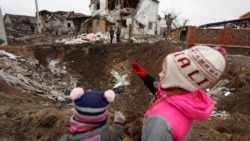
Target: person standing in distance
<point>118,33</point>
<point>111,34</point>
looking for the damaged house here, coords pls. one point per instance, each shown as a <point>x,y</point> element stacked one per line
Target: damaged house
<point>61,22</point>
<point>133,16</point>
<point>56,22</point>
<point>18,22</point>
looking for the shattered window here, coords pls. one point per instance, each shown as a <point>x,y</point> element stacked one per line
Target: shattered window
<point>141,26</point>
<point>150,25</point>
<point>124,3</point>
<point>97,4</point>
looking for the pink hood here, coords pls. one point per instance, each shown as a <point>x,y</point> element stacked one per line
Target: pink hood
<point>182,110</point>
<point>196,105</point>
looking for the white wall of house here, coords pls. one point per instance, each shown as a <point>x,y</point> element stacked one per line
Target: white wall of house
<point>161,28</point>
<point>144,22</point>
<point>99,8</point>
<point>147,16</point>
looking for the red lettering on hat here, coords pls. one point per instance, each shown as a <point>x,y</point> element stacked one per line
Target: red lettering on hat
<point>190,75</point>
<point>185,62</point>
<point>203,81</point>
<point>178,53</point>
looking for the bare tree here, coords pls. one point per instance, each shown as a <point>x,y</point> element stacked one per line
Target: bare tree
<point>171,15</point>
<point>169,18</point>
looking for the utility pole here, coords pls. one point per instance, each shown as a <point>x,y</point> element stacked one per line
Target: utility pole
<point>39,23</point>
<point>131,26</point>
<point>118,13</point>
<point>2,28</point>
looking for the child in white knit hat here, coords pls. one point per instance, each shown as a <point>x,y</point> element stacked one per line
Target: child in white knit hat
<point>179,95</point>
<point>89,121</point>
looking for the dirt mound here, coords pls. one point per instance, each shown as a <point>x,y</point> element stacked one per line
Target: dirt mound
<point>46,124</point>
<point>29,117</point>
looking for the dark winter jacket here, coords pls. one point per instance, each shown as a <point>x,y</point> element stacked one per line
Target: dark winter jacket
<point>111,32</point>
<point>150,83</point>
<point>103,133</point>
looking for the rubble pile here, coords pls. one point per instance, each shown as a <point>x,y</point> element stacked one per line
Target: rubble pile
<point>16,39</point>
<point>86,38</point>
<point>27,75</point>
<point>105,38</point>
<point>222,89</point>
<point>217,92</point>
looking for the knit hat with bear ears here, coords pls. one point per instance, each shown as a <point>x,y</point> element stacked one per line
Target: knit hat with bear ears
<point>193,68</point>
<point>90,108</point>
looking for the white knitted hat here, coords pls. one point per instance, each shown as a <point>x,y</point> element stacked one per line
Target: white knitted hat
<point>193,68</point>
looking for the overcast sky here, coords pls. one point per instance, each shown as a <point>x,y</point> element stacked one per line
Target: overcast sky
<point>198,12</point>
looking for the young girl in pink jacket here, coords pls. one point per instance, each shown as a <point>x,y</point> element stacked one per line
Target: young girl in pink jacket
<point>179,96</point>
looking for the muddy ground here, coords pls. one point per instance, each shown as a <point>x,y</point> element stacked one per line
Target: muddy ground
<point>28,117</point>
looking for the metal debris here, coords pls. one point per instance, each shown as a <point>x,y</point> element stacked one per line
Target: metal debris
<point>121,80</point>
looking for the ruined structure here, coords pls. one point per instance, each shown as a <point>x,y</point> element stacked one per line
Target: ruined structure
<point>18,22</point>
<point>61,22</point>
<point>133,16</point>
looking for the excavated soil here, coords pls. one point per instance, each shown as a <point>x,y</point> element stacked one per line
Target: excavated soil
<point>28,117</point>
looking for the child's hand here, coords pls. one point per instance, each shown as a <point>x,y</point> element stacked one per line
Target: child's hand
<point>140,71</point>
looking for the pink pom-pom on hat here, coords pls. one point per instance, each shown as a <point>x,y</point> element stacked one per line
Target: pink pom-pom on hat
<point>110,95</point>
<point>222,50</point>
<point>76,93</point>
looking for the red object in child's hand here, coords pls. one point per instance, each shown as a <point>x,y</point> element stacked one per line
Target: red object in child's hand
<point>140,71</point>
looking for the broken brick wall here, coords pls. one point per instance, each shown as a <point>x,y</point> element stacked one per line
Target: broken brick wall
<point>94,26</point>
<point>99,25</point>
